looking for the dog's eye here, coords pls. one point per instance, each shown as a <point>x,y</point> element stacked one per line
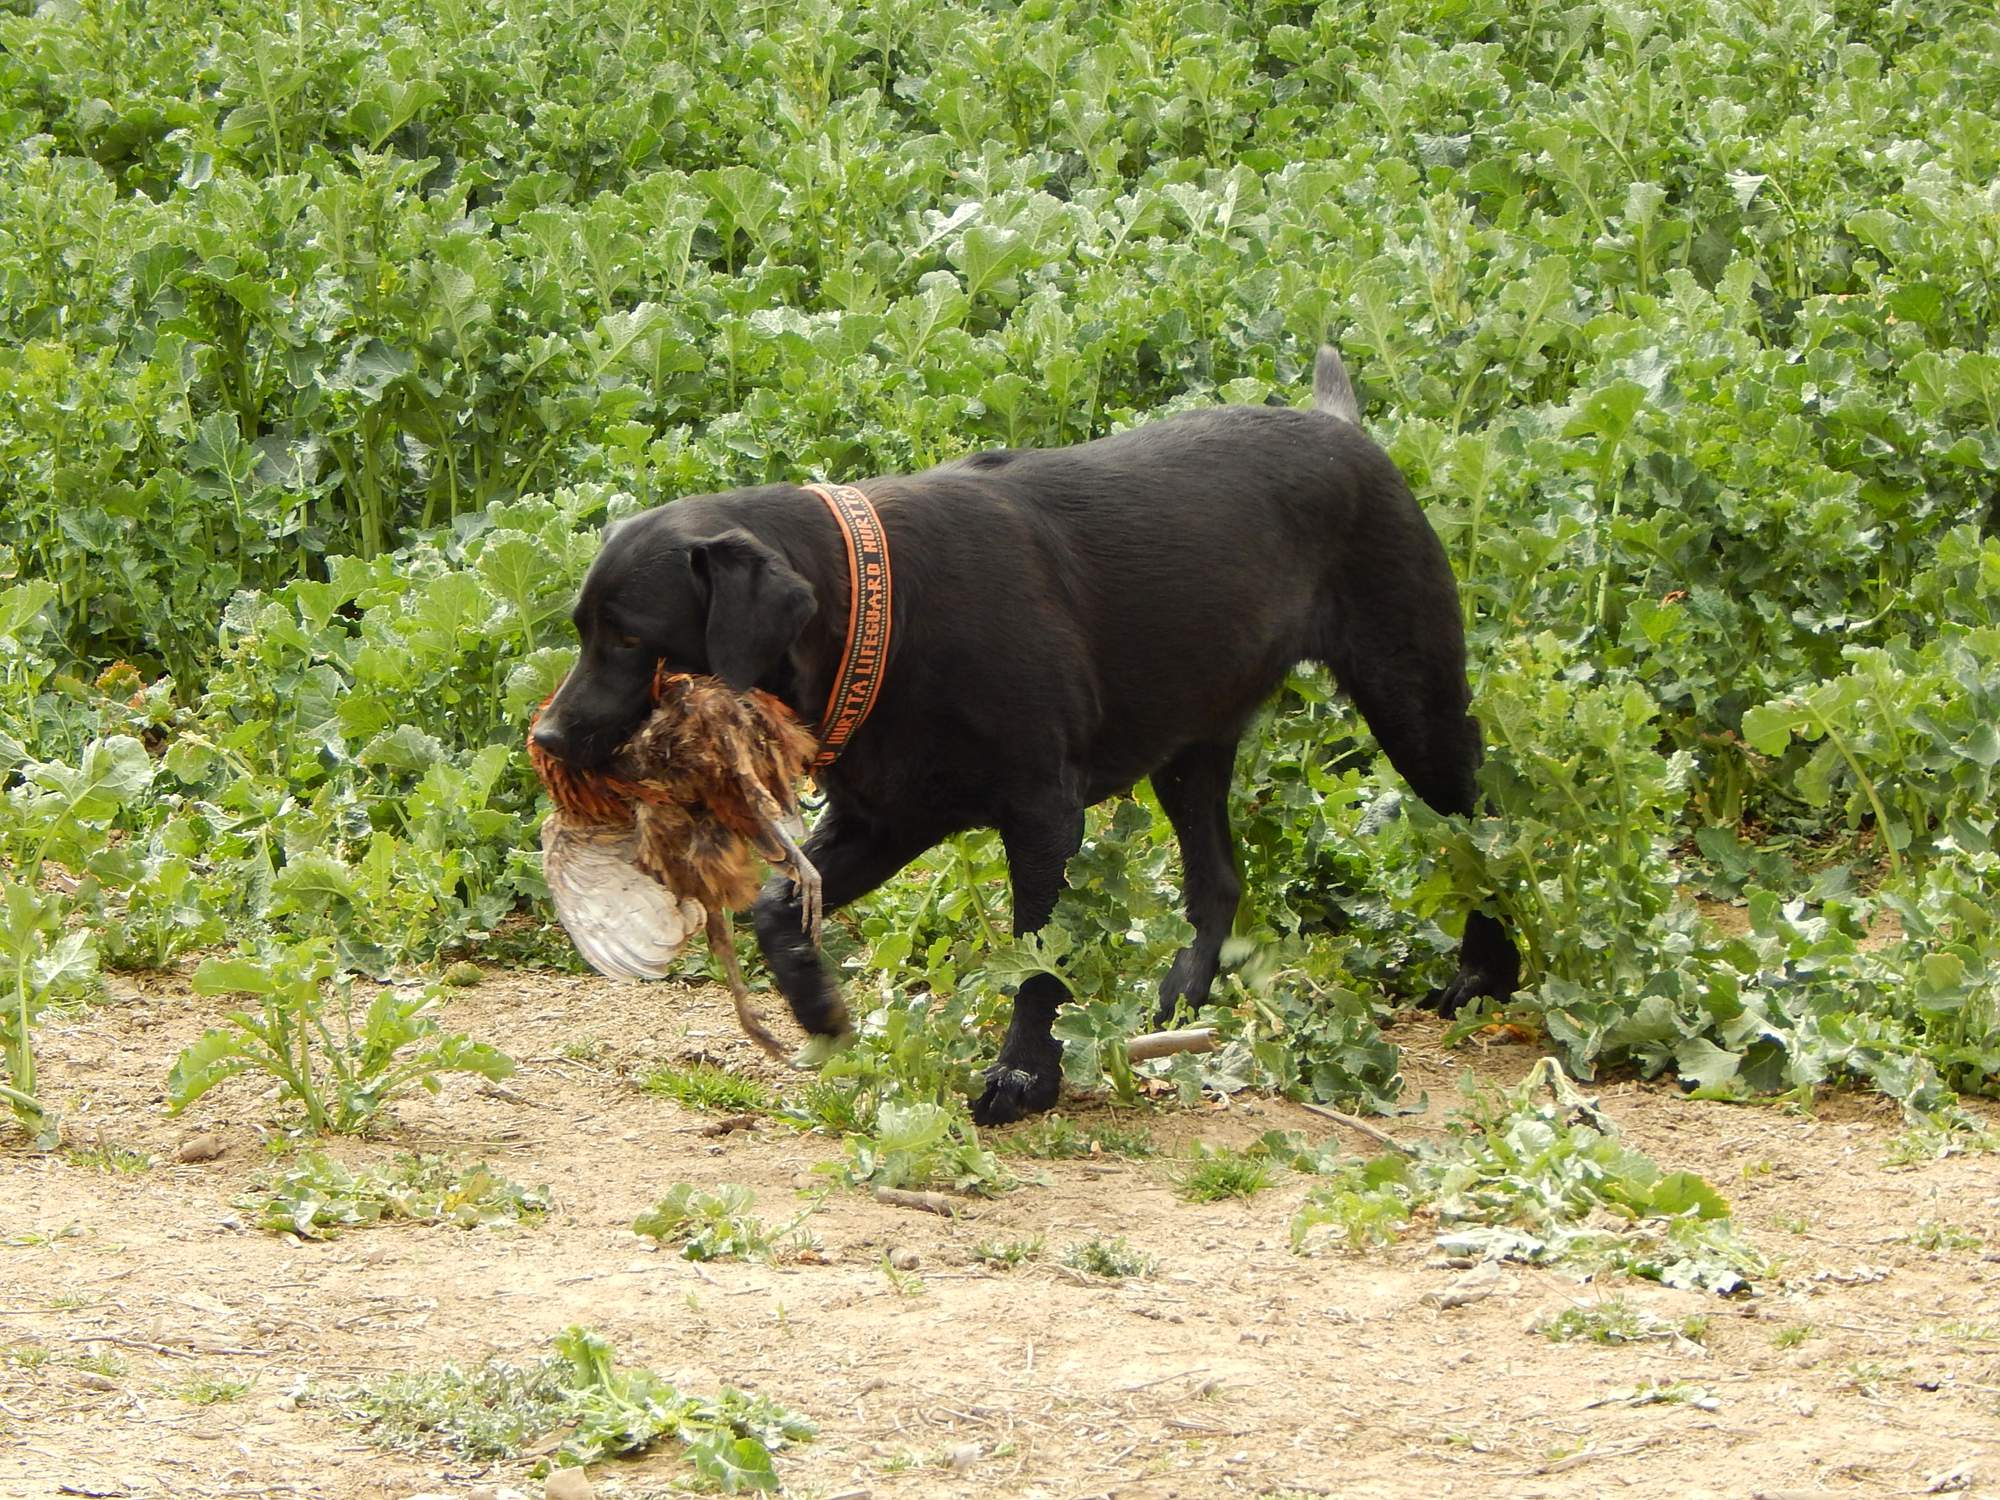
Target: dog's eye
<point>629,642</point>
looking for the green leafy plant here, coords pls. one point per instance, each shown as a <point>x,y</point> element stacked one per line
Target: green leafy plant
<point>339,1068</point>
<point>1539,1174</point>
<point>1112,1259</point>
<point>498,1410</point>
<point>717,1225</point>
<point>922,1146</point>
<point>318,1197</point>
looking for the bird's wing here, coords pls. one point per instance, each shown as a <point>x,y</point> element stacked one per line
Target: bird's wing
<point>624,922</point>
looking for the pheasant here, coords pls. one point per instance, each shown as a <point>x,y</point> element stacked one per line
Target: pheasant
<point>668,837</point>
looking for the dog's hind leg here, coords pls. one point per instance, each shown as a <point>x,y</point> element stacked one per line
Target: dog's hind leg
<point>1027,1077</point>
<point>1193,787</point>
<point>1416,705</point>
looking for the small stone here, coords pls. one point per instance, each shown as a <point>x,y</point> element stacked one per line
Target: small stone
<point>962,1455</point>
<point>90,1380</point>
<point>904,1260</point>
<point>199,1148</point>
<point>569,1484</point>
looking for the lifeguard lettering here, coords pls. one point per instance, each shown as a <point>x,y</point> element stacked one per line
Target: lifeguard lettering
<point>869,598</point>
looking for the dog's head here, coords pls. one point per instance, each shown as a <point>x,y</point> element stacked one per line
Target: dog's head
<point>666,589</point>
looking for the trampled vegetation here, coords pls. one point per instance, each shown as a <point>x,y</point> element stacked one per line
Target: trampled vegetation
<point>329,337</point>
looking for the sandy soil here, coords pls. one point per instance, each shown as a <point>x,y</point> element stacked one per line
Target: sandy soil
<point>1237,1369</point>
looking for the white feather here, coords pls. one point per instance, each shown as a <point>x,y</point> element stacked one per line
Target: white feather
<point>624,922</point>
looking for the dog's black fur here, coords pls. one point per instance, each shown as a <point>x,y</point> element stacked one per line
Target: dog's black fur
<point>1065,622</point>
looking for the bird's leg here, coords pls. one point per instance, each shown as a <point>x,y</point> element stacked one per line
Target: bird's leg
<point>783,851</point>
<point>721,941</point>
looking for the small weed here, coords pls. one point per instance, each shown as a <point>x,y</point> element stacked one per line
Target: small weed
<point>917,1145</point>
<point>72,1302</point>
<point>500,1410</point>
<point>1866,1377</point>
<point>208,1390</point>
<point>899,1463</point>
<point>704,1086</point>
<point>105,1362</point>
<point>1674,1393</point>
<point>1113,1259</point>
<point>1005,1255</point>
<point>1615,1321</point>
<point>1054,1138</point>
<point>1941,1137</point>
<point>320,1197</point>
<point>1762,1167</point>
<point>584,1049</point>
<point>26,1356</point>
<point>1964,1331</point>
<point>837,1106</point>
<point>1792,1224</point>
<point>1794,1336</point>
<point>714,1226</point>
<point>903,1283</point>
<point>1367,1203</point>
<point>1219,1172</point>
<point>107,1157</point>
<point>1933,1236</point>
<point>463,975</point>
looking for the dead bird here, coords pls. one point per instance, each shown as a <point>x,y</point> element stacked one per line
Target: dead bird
<point>668,836</point>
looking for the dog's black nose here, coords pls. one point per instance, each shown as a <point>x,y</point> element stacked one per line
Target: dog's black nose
<point>550,739</point>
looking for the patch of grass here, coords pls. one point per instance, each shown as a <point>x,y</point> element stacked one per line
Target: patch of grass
<point>1113,1259</point>
<point>705,1086</point>
<point>1792,1224</point>
<point>1055,1138</point>
<point>1794,1336</point>
<point>715,1226</point>
<point>1617,1321</point>
<point>1612,1322</point>
<point>1005,1255</point>
<point>501,1410</point>
<point>1936,1237</point>
<point>209,1390</point>
<point>836,1105</point>
<point>26,1356</point>
<point>1964,1331</point>
<point>1219,1172</point>
<point>319,1197</point>
<point>1866,1377</point>
<point>104,1362</point>
<point>586,1048</point>
<point>108,1157</point>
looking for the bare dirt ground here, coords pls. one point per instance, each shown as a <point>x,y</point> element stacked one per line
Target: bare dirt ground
<point>1237,1369</point>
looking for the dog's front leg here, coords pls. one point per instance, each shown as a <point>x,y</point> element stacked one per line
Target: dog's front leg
<point>853,856</point>
<point>1027,1078</point>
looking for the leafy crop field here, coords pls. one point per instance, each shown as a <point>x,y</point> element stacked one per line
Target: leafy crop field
<point>329,339</point>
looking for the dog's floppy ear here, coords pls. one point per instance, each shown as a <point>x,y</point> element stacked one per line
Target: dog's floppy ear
<point>756,605</point>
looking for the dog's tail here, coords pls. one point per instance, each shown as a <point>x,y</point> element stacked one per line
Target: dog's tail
<point>1333,392</point>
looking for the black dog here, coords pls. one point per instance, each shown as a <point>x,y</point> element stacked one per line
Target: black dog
<point>1065,623</point>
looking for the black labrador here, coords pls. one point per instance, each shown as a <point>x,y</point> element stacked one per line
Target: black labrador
<point>1065,622</point>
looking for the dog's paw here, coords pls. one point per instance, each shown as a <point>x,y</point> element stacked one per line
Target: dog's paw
<point>1449,999</point>
<point>1015,1093</point>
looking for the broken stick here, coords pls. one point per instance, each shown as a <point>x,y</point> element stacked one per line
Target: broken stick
<point>1166,1043</point>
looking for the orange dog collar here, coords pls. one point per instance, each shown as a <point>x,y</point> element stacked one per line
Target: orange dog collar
<point>868,599</point>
